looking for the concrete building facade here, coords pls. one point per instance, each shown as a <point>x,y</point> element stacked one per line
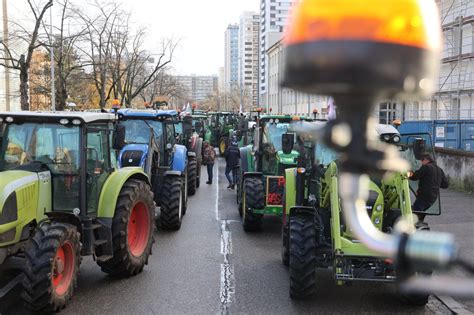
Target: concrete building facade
<point>284,100</point>
<point>273,19</point>
<point>249,35</point>
<point>231,58</point>
<point>198,88</point>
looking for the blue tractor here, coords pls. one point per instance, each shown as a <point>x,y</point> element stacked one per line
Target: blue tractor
<point>151,144</point>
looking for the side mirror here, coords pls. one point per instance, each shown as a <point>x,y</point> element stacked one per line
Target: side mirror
<point>119,137</point>
<point>419,147</point>
<point>287,142</point>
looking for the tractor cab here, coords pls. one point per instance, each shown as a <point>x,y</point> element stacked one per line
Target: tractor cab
<point>145,127</point>
<point>275,144</point>
<point>66,149</point>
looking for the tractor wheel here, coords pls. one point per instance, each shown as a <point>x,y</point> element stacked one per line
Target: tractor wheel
<point>192,176</point>
<point>53,257</point>
<point>222,145</point>
<point>285,251</point>
<point>302,261</point>
<point>171,203</point>
<point>198,174</point>
<point>185,182</point>
<point>417,299</point>
<point>199,161</point>
<point>132,230</point>
<point>254,198</point>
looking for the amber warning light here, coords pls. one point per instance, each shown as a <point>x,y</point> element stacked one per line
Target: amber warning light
<point>404,22</point>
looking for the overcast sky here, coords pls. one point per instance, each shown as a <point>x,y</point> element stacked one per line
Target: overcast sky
<point>199,24</point>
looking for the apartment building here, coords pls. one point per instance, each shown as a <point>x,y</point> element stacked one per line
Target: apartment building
<point>249,34</point>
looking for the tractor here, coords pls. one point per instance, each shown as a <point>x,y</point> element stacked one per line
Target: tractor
<point>218,132</point>
<point>188,137</point>
<point>169,169</point>
<point>261,182</point>
<point>315,234</point>
<point>200,122</point>
<point>63,197</point>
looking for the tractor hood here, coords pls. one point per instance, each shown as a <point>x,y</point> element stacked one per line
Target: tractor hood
<point>133,155</point>
<point>288,159</point>
<point>18,192</point>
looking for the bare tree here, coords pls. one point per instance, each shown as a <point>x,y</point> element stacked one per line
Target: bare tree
<point>142,69</point>
<point>100,35</point>
<point>23,62</point>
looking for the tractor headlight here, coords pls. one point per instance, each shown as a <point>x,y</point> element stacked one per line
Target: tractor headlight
<point>396,139</point>
<point>76,122</point>
<point>1,120</point>
<point>9,119</point>
<point>386,138</point>
<point>64,121</point>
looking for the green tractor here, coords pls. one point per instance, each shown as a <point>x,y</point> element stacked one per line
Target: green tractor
<point>62,198</point>
<point>262,174</point>
<point>218,131</point>
<point>315,234</point>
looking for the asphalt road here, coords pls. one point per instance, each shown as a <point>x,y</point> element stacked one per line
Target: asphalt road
<point>212,266</point>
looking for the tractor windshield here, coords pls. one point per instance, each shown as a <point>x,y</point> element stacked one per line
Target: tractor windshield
<point>138,131</point>
<point>272,134</point>
<point>55,145</point>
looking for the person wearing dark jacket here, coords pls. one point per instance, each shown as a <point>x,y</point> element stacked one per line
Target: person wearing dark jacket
<point>431,178</point>
<point>232,158</point>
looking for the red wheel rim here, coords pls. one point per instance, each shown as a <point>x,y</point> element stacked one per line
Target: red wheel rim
<point>63,268</point>
<point>138,229</point>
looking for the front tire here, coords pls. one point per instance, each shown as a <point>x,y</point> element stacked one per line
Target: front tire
<point>53,257</point>
<point>254,198</point>
<point>192,176</point>
<point>171,203</point>
<point>132,230</point>
<point>302,241</point>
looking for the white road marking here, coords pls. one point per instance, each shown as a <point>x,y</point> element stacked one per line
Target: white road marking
<point>227,288</point>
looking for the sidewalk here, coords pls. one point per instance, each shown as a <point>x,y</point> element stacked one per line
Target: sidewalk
<point>457,217</point>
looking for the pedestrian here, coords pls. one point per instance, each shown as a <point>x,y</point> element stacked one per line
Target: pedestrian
<point>209,155</point>
<point>431,178</point>
<point>232,157</point>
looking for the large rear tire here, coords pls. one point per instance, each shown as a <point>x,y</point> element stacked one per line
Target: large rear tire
<point>198,174</point>
<point>53,257</point>
<point>192,176</point>
<point>254,198</point>
<point>302,241</point>
<point>285,250</point>
<point>132,230</point>
<point>171,203</point>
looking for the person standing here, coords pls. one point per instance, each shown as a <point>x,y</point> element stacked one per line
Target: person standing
<point>232,157</point>
<point>209,155</point>
<point>431,178</point>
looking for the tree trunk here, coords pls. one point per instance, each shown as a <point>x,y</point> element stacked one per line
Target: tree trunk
<point>24,102</point>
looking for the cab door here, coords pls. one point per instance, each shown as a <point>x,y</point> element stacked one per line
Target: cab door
<point>98,165</point>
